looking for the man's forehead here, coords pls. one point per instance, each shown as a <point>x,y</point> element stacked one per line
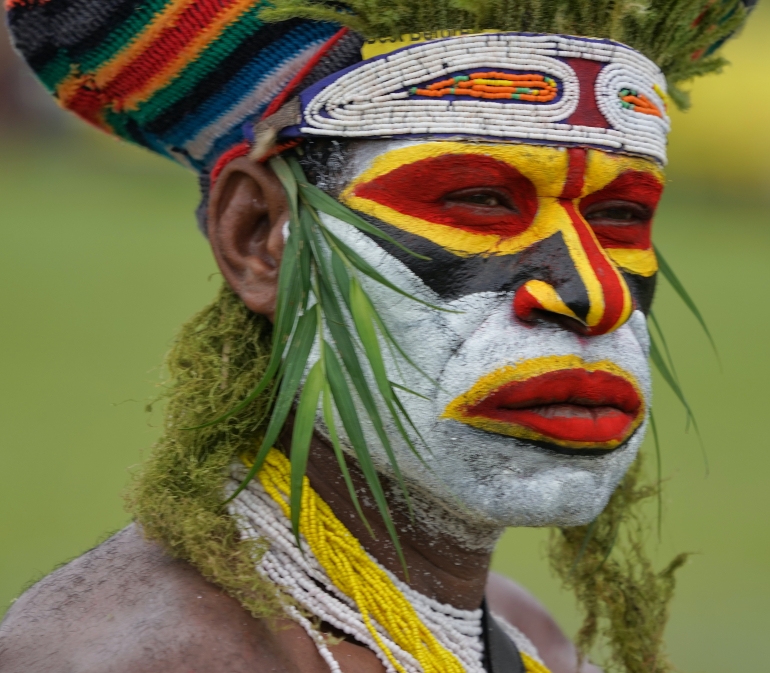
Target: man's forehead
<point>545,166</point>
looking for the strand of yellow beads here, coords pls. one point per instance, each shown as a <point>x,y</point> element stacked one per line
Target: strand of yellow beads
<point>354,573</point>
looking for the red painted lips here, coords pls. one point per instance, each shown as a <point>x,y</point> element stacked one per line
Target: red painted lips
<point>573,405</point>
<point>595,406</point>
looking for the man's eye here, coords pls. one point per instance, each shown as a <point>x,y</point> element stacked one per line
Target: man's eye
<point>482,200</point>
<point>480,197</point>
<point>617,213</point>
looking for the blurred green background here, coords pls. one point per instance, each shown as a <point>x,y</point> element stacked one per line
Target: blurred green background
<point>100,262</point>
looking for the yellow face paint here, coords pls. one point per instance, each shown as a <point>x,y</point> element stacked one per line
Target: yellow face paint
<point>544,167</point>
<point>416,189</point>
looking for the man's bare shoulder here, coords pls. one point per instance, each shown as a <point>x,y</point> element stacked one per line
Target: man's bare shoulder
<point>521,609</point>
<point>127,606</point>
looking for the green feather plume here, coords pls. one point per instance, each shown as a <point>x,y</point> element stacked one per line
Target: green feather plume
<point>678,35</point>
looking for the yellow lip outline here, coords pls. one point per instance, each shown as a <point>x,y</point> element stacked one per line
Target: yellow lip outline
<point>459,408</point>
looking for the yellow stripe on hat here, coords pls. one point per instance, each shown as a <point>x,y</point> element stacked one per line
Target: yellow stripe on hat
<point>162,21</point>
<point>189,53</point>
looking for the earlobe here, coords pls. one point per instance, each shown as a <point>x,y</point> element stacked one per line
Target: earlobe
<point>247,212</point>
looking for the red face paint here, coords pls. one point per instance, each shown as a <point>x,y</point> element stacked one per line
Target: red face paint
<point>571,405</point>
<point>634,187</point>
<point>438,190</point>
<point>487,206</point>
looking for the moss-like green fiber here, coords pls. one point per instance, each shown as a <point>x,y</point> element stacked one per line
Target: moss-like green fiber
<point>624,599</point>
<point>673,33</point>
<point>177,496</point>
<point>217,359</point>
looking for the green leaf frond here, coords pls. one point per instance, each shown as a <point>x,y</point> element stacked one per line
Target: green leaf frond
<point>660,355</point>
<point>322,300</point>
<point>676,34</point>
<point>216,360</point>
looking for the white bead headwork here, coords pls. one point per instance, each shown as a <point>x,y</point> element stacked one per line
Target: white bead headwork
<point>526,88</point>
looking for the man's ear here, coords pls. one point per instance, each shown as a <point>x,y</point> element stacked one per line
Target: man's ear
<point>247,213</point>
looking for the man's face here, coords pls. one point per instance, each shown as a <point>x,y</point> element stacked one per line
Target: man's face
<point>542,258</point>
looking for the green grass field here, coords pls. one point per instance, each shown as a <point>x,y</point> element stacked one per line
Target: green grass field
<point>100,263</point>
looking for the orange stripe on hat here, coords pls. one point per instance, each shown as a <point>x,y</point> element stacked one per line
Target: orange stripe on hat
<point>160,53</point>
<point>188,54</point>
<point>10,4</point>
<point>162,22</point>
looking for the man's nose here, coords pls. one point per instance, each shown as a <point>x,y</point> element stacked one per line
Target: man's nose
<point>576,284</point>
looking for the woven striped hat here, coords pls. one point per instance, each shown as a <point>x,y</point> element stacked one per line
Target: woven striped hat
<point>179,77</point>
<point>188,79</point>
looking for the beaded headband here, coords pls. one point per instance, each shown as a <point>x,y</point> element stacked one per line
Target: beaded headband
<point>518,87</point>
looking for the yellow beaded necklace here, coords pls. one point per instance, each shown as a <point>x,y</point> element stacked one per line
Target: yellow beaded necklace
<point>354,573</point>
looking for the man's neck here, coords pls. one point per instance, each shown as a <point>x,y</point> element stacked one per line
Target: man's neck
<point>448,559</point>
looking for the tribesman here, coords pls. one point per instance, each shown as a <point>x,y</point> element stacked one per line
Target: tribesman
<point>433,219</point>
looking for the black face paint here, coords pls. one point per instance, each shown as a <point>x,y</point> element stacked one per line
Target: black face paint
<point>453,276</point>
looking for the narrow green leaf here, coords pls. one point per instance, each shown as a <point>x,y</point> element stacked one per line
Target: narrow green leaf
<point>343,400</point>
<point>363,314</point>
<point>304,422</point>
<point>288,289</point>
<point>344,342</point>
<point>611,546</point>
<point>668,377</point>
<point>653,318</point>
<point>584,546</point>
<point>385,331</point>
<point>331,426</point>
<point>289,303</point>
<point>305,269</point>
<point>348,254</point>
<point>296,359</point>
<point>410,391</point>
<point>659,465</point>
<point>326,204</point>
<point>286,176</point>
<point>671,277</point>
<point>310,234</point>
<point>296,169</point>
<point>400,405</point>
<point>341,276</point>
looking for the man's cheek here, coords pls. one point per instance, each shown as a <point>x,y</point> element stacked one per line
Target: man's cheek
<point>426,334</point>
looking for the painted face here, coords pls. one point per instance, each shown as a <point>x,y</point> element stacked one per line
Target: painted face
<point>542,258</point>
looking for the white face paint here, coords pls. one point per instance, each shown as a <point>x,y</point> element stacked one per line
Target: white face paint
<point>489,480</point>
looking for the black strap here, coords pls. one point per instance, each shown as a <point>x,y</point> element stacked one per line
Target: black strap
<point>500,653</point>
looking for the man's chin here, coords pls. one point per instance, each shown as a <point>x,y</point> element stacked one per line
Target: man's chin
<point>504,482</point>
<point>598,450</point>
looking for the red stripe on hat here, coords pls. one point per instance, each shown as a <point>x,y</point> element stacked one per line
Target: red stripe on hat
<point>170,42</point>
<point>240,150</point>
<point>88,103</point>
<point>166,47</point>
<point>297,79</point>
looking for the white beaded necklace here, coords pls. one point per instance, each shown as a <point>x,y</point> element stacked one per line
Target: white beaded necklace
<point>302,577</point>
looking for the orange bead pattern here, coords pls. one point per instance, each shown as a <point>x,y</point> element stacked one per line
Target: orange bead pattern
<point>493,86</point>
